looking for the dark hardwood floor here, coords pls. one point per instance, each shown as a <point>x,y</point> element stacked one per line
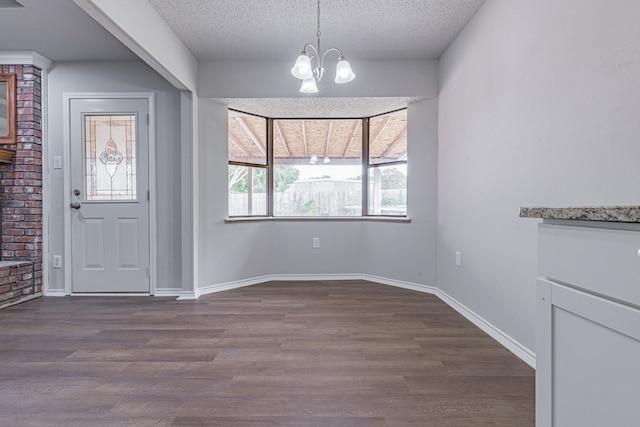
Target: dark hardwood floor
<point>280,353</point>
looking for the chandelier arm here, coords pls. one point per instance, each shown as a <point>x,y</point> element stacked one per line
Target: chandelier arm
<point>308,85</point>
<point>312,48</point>
<point>335,49</point>
<point>318,70</point>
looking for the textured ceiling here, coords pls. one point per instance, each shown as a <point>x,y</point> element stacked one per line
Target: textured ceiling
<point>254,30</point>
<point>317,107</point>
<point>278,29</point>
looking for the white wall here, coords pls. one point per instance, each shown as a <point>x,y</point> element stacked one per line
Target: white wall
<point>539,105</point>
<point>272,79</point>
<point>231,252</point>
<point>120,77</point>
<point>227,252</point>
<point>407,251</point>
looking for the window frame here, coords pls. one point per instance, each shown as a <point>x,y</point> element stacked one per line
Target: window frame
<point>367,166</point>
<point>365,161</point>
<point>267,167</point>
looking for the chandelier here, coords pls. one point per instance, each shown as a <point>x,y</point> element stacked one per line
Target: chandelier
<point>309,75</point>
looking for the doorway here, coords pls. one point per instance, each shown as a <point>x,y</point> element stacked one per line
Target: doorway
<point>109,208</point>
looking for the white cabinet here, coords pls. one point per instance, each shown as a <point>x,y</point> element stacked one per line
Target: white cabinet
<point>588,325</point>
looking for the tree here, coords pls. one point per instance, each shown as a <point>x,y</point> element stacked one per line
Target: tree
<point>239,179</point>
<point>284,176</point>
<point>392,179</point>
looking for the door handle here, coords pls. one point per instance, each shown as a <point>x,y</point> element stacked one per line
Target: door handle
<point>75,205</point>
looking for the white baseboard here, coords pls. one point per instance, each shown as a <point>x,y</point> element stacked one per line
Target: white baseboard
<point>520,351</point>
<point>110,294</point>
<point>188,295</point>
<point>167,292</point>
<point>233,285</point>
<point>315,277</point>
<point>523,353</point>
<point>55,293</point>
<point>400,284</point>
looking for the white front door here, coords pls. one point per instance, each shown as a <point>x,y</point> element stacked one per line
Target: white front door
<point>109,195</point>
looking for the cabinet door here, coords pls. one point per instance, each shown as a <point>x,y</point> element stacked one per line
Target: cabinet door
<point>589,360</point>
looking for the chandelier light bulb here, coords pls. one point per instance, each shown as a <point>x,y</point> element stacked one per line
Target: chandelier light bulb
<point>302,68</point>
<point>309,85</point>
<point>304,71</point>
<point>344,73</point>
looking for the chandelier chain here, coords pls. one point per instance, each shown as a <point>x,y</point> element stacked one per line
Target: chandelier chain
<point>304,70</point>
<point>318,27</point>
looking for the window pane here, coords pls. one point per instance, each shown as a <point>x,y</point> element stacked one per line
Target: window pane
<point>3,110</point>
<point>317,167</point>
<point>388,138</point>
<point>247,138</point>
<point>110,157</point>
<point>247,191</point>
<point>388,190</point>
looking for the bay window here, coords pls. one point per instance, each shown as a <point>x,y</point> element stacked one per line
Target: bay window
<point>317,167</point>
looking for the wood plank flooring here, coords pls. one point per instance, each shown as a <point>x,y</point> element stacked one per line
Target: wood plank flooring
<point>276,354</point>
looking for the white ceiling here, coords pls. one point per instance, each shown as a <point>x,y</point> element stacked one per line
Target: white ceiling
<point>278,29</point>
<point>248,29</point>
<point>254,30</point>
<point>58,30</point>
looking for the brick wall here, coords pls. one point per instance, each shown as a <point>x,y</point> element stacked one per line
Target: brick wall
<point>21,190</point>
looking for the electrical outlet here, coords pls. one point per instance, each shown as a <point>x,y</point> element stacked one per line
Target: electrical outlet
<point>316,242</point>
<point>459,258</point>
<point>57,261</point>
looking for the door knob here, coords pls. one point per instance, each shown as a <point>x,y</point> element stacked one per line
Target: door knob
<point>75,205</point>
<point>76,192</point>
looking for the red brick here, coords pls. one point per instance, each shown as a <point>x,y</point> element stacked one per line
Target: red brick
<point>20,285</point>
<point>7,280</point>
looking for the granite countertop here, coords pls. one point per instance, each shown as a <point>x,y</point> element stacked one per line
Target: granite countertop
<point>586,213</point>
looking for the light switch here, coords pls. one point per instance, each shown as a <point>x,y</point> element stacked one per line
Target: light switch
<point>57,162</point>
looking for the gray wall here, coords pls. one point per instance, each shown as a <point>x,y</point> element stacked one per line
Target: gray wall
<point>407,252</point>
<point>538,106</point>
<point>120,77</point>
<point>230,252</point>
<point>227,252</point>
<point>272,79</point>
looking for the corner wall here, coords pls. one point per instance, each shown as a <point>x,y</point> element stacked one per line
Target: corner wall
<point>95,77</point>
<point>242,252</point>
<point>539,105</point>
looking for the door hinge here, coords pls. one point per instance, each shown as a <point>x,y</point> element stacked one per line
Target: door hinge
<point>148,273</point>
<point>147,120</point>
<point>148,195</point>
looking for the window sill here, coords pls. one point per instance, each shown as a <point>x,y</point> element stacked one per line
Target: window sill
<point>317,218</point>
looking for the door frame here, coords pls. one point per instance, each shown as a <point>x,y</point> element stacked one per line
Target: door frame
<point>67,98</point>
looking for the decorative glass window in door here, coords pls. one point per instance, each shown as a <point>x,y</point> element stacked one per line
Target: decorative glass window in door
<point>110,157</point>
